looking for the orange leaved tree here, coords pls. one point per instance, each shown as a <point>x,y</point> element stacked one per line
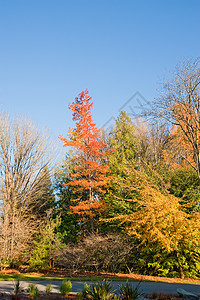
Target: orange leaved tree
<point>88,178</point>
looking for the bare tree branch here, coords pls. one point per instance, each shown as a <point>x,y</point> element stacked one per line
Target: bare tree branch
<point>24,154</point>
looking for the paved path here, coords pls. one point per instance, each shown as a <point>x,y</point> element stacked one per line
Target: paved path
<point>147,287</point>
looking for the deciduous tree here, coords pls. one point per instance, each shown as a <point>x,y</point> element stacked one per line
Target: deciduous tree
<point>159,221</point>
<point>24,154</point>
<point>179,104</point>
<point>88,178</point>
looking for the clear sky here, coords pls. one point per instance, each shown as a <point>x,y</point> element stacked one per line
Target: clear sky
<point>50,50</point>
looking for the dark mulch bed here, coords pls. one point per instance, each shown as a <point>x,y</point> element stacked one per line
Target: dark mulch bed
<point>42,297</point>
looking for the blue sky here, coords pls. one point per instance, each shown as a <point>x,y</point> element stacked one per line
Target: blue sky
<point>51,50</point>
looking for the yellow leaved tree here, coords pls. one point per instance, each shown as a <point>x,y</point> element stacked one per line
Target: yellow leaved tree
<point>158,219</point>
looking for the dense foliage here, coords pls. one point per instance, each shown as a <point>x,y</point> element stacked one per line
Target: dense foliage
<point>124,200</point>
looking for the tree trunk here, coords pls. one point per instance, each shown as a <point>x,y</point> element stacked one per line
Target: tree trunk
<point>92,224</point>
<point>181,272</point>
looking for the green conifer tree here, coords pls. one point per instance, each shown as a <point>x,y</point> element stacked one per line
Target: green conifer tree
<point>70,226</point>
<point>124,143</point>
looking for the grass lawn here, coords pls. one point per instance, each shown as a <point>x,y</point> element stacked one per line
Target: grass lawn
<point>35,277</point>
<point>14,275</point>
<point>31,277</point>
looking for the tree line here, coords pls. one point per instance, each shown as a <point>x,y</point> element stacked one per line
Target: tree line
<point>125,200</point>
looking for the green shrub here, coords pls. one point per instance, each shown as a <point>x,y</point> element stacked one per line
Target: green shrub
<point>79,296</point>
<point>85,292</point>
<point>65,287</point>
<point>17,287</point>
<point>16,291</point>
<point>33,290</point>
<point>101,291</point>
<point>48,289</point>
<point>128,292</point>
<point>44,246</point>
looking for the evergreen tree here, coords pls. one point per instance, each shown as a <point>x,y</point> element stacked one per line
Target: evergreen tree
<point>123,140</point>
<point>124,143</point>
<point>70,227</point>
<point>184,184</point>
<point>45,245</point>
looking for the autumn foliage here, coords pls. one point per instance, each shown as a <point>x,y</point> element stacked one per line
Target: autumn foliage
<point>88,178</point>
<point>147,188</point>
<point>184,146</point>
<point>127,199</point>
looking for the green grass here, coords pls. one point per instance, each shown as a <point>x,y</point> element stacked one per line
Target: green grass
<point>30,277</point>
<point>27,277</point>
